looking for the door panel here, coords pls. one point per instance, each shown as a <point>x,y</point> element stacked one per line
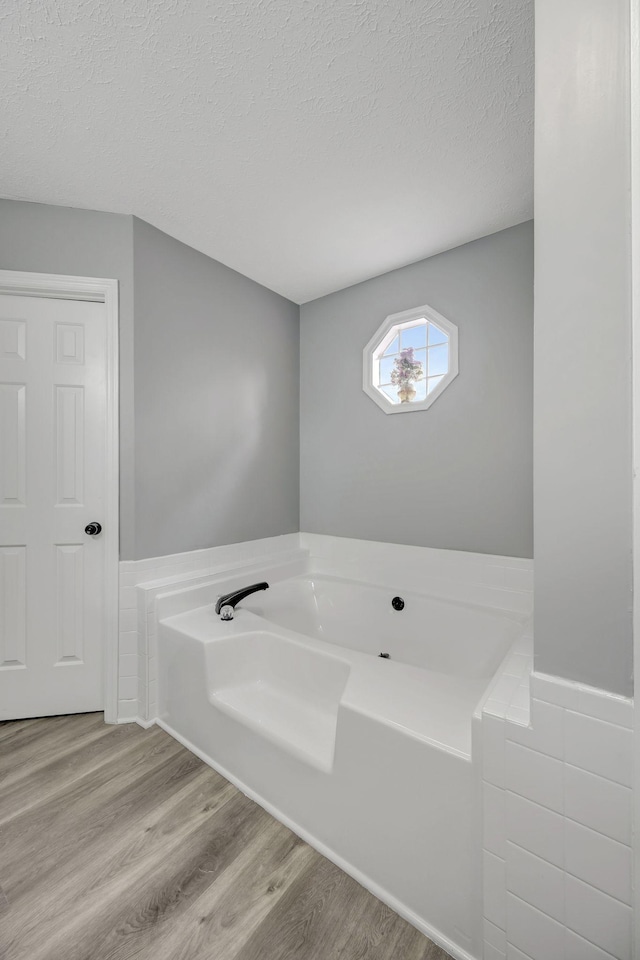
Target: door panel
<point>69,431</point>
<point>52,484</point>
<point>13,427</point>
<point>70,602</point>
<point>13,609</point>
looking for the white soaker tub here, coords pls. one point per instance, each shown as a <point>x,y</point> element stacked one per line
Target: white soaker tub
<point>367,758</point>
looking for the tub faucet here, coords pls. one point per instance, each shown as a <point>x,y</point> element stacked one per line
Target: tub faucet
<point>225,606</point>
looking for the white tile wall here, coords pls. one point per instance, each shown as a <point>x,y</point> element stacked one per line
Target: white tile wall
<point>533,775</point>
<point>598,860</point>
<point>598,803</point>
<point>536,881</point>
<point>494,812</point>
<point>600,919</point>
<point>577,948</point>
<point>492,953</point>
<point>599,747</point>
<point>559,837</point>
<point>494,879</point>
<point>533,932</point>
<point>534,828</point>
<point>495,937</point>
<point>502,582</point>
<point>514,954</point>
<point>493,752</point>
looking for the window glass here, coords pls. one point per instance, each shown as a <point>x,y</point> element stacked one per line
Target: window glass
<point>436,335</point>
<point>438,360</point>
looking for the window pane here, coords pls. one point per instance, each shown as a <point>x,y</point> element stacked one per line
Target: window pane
<point>432,382</point>
<point>436,335</point>
<point>394,347</point>
<point>421,355</point>
<point>391,392</point>
<point>421,390</point>
<point>386,366</point>
<point>415,337</point>
<point>438,360</point>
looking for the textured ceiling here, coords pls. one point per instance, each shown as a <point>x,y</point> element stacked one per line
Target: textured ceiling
<point>309,144</point>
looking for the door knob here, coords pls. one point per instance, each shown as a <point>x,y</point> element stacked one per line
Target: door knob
<point>93,529</point>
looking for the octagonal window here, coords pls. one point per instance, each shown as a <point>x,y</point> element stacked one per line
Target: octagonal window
<point>410,360</point>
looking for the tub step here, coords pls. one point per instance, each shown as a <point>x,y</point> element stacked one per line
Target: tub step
<point>306,730</point>
<point>286,691</point>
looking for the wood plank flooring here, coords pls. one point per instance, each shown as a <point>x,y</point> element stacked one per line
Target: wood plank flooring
<point>116,843</point>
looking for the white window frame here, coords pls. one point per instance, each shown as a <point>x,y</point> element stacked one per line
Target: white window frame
<point>381,339</point>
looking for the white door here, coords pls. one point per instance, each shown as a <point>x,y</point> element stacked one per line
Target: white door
<point>53,398</point>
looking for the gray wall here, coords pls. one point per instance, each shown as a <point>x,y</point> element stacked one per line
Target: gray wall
<point>216,413</point>
<point>209,450</point>
<point>39,238</point>
<point>458,475</point>
<point>583,460</point>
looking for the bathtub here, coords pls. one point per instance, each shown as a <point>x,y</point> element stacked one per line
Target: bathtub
<point>451,638</point>
<point>367,757</point>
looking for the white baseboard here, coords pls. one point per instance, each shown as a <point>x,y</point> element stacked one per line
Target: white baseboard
<point>145,724</point>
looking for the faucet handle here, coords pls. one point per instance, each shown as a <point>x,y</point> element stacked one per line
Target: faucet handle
<point>236,596</point>
<point>226,612</point>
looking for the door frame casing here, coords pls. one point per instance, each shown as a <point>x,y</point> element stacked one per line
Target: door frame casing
<point>634,124</point>
<point>95,290</point>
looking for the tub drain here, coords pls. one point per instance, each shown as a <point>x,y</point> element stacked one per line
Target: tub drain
<point>385,656</point>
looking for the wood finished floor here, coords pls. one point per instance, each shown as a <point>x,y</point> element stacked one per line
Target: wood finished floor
<point>116,843</point>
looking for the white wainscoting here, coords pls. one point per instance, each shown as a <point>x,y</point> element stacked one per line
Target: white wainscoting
<point>504,583</point>
<point>556,797</point>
